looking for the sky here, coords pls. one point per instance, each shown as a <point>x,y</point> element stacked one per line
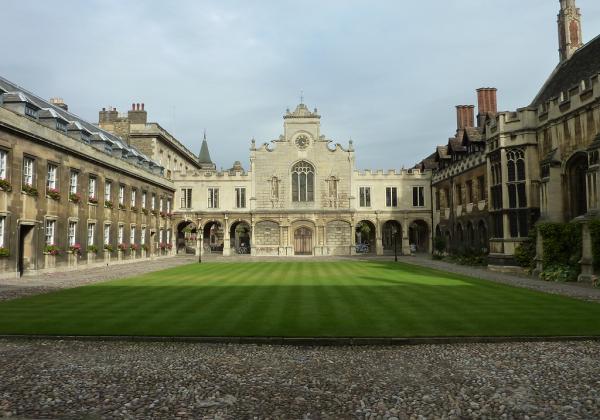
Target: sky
<point>385,73</point>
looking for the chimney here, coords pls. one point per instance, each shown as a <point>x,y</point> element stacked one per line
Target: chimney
<point>137,114</point>
<point>486,104</point>
<point>108,116</point>
<point>465,116</point>
<point>59,102</point>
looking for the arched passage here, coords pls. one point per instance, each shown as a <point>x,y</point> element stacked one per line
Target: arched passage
<point>391,231</point>
<point>213,237</point>
<point>239,235</point>
<point>187,232</point>
<point>576,171</point>
<point>418,235</point>
<point>365,237</point>
<point>482,236</point>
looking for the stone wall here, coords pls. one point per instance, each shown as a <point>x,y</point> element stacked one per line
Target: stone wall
<point>266,234</point>
<point>339,237</point>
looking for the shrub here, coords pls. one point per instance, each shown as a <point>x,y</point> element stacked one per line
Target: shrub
<point>134,209</point>
<point>145,211</point>
<point>559,273</point>
<point>525,253</point>
<point>562,245</point>
<point>134,247</point>
<point>595,234</point>
<point>5,185</point>
<point>439,244</point>
<point>121,206</point>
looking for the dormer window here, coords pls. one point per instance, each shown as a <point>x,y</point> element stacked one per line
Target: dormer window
<point>31,112</point>
<point>61,126</point>
<point>594,158</point>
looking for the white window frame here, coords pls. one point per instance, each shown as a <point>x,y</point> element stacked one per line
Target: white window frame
<point>240,197</point>
<point>186,198</point>
<point>393,193</point>
<point>122,195</point>
<point>91,233</point>
<point>133,197</point>
<point>213,198</point>
<point>50,232</point>
<point>28,164</point>
<point>367,203</point>
<point>120,234</point>
<point>418,188</point>
<point>143,235</point>
<point>144,199</point>
<point>168,205</point>
<point>3,164</point>
<point>160,204</point>
<point>72,233</point>
<point>92,187</point>
<point>52,177</point>
<point>153,202</point>
<point>107,234</point>
<point>107,190</point>
<point>73,182</point>
<point>132,234</point>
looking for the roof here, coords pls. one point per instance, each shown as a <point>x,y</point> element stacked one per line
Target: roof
<point>17,93</point>
<point>301,111</point>
<point>583,64</point>
<point>474,134</point>
<point>204,156</point>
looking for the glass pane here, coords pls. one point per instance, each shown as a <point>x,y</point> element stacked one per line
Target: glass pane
<point>310,187</point>
<point>302,187</point>
<point>521,195</point>
<point>512,196</point>
<point>295,187</point>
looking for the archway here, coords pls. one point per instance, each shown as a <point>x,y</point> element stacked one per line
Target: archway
<point>459,237</point>
<point>213,237</point>
<point>187,235</point>
<point>239,235</point>
<point>303,241</point>
<point>470,235</point>
<point>392,231</point>
<point>576,171</point>
<point>365,237</point>
<point>418,235</point>
<point>483,236</point>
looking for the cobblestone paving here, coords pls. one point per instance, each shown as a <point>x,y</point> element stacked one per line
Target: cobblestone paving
<point>583,291</point>
<point>44,283</point>
<point>110,380</point>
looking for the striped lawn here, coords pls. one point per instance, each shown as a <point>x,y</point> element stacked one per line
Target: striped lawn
<point>300,299</point>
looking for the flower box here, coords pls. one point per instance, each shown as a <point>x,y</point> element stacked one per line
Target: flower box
<point>53,193</point>
<point>29,190</point>
<point>108,204</point>
<point>134,247</point>
<point>51,250</point>
<point>74,198</point>
<point>92,249</point>
<point>75,249</point>
<point>134,209</point>
<point>92,200</point>
<point>5,185</point>
<point>121,206</point>
<point>108,248</point>
<point>145,211</point>
<point>123,247</point>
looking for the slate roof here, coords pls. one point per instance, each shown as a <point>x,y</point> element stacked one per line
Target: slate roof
<point>582,65</point>
<point>204,156</point>
<point>17,94</point>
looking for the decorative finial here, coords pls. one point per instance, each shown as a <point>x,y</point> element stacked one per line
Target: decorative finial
<point>205,134</point>
<point>301,97</point>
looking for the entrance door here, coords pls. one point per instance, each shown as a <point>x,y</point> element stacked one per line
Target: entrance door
<point>303,241</point>
<point>25,248</point>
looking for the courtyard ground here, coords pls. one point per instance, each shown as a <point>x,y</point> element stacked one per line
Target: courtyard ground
<point>300,298</point>
<point>109,380</point>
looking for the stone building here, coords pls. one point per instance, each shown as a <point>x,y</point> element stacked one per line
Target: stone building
<point>542,160</point>
<point>302,195</point>
<point>72,194</point>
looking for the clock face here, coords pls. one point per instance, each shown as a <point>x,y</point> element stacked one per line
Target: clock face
<point>302,141</point>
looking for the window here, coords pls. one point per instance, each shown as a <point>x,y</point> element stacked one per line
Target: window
<point>92,188</point>
<point>91,233</point>
<point>120,234</point>
<point>2,230</point>
<point>168,236</point>
<point>73,180</point>
<point>28,171</point>
<point>213,198</point>
<point>30,112</point>
<point>391,197</point>
<point>161,236</point>
<point>71,234</point>
<point>133,197</point>
<point>153,202</point>
<point>303,182</point>
<point>3,164</point>
<point>50,226</point>
<point>240,197</point>
<point>122,195</point>
<point>517,196</point>
<point>469,191</point>
<point>481,190</point>
<point>132,235</point>
<point>106,234</point>
<point>160,204</point>
<point>459,199</point>
<point>143,236</point>
<point>364,196</point>
<point>108,191</point>
<point>51,181</point>
<point>418,196</point>
<point>186,198</point>
<point>168,205</point>
<point>144,194</point>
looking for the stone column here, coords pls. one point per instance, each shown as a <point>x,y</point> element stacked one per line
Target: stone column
<point>352,238</point>
<point>539,254</point>
<point>378,239</point>
<point>586,262</point>
<point>405,239</point>
<point>226,239</point>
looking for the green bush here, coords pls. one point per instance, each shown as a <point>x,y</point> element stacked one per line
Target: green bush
<point>562,244</point>
<point>525,252</point>
<point>439,244</point>
<point>595,234</point>
<point>559,273</point>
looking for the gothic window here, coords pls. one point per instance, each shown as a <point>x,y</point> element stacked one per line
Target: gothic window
<point>517,196</point>
<point>303,182</point>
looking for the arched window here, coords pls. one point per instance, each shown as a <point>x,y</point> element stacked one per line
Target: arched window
<point>303,182</point>
<point>517,195</point>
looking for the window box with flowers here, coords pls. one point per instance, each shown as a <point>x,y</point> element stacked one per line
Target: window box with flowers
<point>74,198</point>
<point>134,209</point>
<point>123,247</point>
<point>51,250</point>
<point>169,246</point>
<point>145,211</point>
<point>134,247</point>
<point>92,200</point>
<point>53,193</point>
<point>4,252</point>
<point>92,249</point>
<point>29,190</point>
<point>155,212</point>
<point>5,185</point>
<point>163,214</point>
<point>121,206</point>
<point>75,249</point>
<point>108,248</point>
<point>162,246</point>
<point>108,204</point>
<point>169,215</point>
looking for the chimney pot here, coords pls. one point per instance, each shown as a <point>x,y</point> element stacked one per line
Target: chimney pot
<point>142,106</point>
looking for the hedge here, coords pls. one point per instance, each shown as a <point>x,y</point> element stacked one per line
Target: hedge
<point>562,244</point>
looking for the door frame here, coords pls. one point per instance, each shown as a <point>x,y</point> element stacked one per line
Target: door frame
<point>304,249</point>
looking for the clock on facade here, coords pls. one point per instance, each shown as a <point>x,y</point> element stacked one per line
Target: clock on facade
<point>302,141</point>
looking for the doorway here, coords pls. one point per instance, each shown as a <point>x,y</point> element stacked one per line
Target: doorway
<point>26,249</point>
<point>303,241</point>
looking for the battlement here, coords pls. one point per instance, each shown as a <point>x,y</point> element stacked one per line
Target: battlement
<point>392,173</point>
<point>577,96</point>
<point>195,174</point>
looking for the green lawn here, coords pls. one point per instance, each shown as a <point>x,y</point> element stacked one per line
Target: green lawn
<point>299,299</point>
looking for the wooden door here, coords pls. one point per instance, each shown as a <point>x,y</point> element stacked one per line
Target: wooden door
<point>303,241</point>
